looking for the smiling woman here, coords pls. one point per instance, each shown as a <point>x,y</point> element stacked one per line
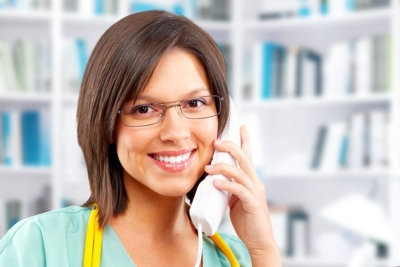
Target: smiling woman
<point>152,103</point>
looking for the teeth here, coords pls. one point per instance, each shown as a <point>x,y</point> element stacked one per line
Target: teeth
<point>173,159</point>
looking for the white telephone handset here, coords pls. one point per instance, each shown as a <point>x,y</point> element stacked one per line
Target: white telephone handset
<point>209,204</point>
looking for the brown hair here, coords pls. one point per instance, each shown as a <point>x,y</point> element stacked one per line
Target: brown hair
<point>119,67</point>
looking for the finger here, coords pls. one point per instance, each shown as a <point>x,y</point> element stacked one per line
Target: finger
<point>237,190</point>
<point>237,153</point>
<point>232,172</point>
<point>245,141</point>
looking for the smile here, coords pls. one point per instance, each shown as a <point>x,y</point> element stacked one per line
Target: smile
<point>173,161</point>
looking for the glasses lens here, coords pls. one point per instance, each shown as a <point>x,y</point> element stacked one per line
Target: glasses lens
<point>201,107</point>
<point>142,115</point>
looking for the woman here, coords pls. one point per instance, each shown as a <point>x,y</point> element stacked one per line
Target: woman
<point>151,106</point>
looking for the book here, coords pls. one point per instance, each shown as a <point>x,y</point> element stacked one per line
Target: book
<point>5,134</point>
<point>337,64</point>
<point>30,126</point>
<point>13,213</point>
<point>8,78</point>
<point>319,148</point>
<point>82,50</point>
<point>308,74</point>
<point>363,73</point>
<point>378,139</point>
<point>334,138</point>
<point>25,65</point>
<point>290,72</point>
<point>356,149</point>
<point>267,83</point>
<point>298,233</point>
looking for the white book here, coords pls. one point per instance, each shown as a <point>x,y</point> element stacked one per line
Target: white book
<point>257,60</point>
<point>71,79</point>
<point>333,144</point>
<point>279,222</point>
<point>86,7</point>
<point>309,78</point>
<point>7,67</point>
<point>356,141</point>
<point>338,7</point>
<point>300,238</point>
<point>314,6</point>
<point>15,139</point>
<point>337,70</point>
<point>43,63</point>
<point>291,68</point>
<point>379,135</point>
<point>363,66</point>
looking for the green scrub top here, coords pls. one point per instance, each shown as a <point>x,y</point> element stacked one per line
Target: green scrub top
<point>57,238</point>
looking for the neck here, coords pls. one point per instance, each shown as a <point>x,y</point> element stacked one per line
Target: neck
<point>149,213</point>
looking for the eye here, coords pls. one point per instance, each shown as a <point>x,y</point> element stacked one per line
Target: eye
<point>194,103</point>
<point>141,110</point>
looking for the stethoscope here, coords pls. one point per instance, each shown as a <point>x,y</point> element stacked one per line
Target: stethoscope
<point>94,238</point>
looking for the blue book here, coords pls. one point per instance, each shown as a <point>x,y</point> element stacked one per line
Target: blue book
<point>267,70</point>
<point>82,56</point>
<point>143,6</point>
<point>45,141</point>
<point>5,138</point>
<point>343,151</point>
<point>30,128</point>
<point>99,7</point>
<point>304,10</point>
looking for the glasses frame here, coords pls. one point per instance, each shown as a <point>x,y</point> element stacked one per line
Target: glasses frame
<point>179,104</point>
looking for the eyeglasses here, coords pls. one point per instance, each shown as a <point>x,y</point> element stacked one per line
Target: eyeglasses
<point>201,107</point>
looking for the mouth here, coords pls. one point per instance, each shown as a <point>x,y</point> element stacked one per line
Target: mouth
<point>173,160</point>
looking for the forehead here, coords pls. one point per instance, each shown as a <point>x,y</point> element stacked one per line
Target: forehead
<point>178,75</point>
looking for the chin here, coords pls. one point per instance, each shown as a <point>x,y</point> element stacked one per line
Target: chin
<point>177,190</point>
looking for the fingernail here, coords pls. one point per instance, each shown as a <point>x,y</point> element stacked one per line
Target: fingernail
<point>217,182</point>
<point>217,142</point>
<point>209,167</point>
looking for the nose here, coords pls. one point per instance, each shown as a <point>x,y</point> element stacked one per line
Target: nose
<point>174,126</point>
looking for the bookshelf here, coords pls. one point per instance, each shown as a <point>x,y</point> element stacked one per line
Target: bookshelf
<point>283,159</point>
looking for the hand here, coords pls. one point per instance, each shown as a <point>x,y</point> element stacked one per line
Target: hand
<point>248,206</point>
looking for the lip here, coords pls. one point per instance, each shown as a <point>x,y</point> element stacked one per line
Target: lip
<point>173,153</point>
<point>175,167</point>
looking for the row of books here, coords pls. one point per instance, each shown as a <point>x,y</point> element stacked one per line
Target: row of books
<point>25,138</point>
<point>91,7</point>
<point>14,210</point>
<point>24,5</point>
<point>360,67</point>
<point>194,9</point>
<point>274,9</point>
<point>357,143</point>
<point>292,230</point>
<point>25,66</point>
<point>75,57</point>
<point>77,52</point>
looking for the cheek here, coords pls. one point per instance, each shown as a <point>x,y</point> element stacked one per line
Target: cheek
<point>208,133</point>
<point>130,141</point>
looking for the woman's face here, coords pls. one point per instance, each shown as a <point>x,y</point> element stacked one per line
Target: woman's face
<point>179,75</point>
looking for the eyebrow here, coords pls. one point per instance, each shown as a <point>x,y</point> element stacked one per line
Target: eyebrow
<point>157,100</point>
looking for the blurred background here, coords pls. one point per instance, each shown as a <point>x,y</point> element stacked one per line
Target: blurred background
<point>315,81</point>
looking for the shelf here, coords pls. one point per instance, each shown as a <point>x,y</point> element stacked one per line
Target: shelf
<point>317,262</point>
<point>380,100</point>
<point>70,99</point>
<point>25,16</point>
<point>317,175</point>
<point>79,26</point>
<point>25,171</point>
<point>321,30</point>
<point>25,98</point>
